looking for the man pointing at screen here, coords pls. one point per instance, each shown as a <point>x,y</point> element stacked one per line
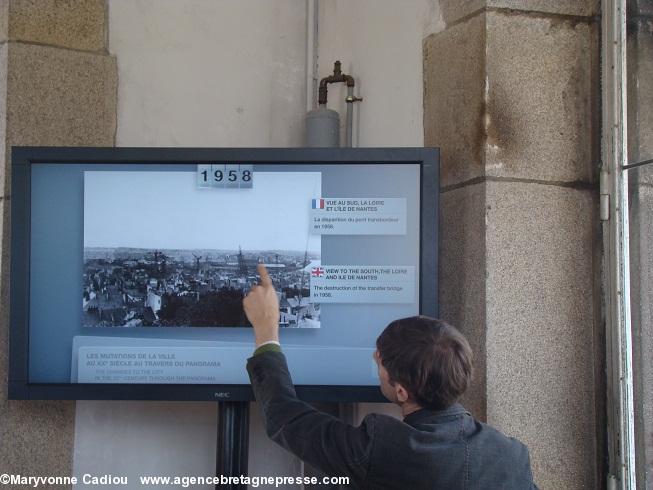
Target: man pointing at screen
<point>424,367</point>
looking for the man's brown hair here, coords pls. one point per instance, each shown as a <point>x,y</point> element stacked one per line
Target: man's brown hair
<point>429,358</point>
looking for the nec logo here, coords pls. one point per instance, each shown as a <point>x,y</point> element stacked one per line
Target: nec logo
<point>221,394</point>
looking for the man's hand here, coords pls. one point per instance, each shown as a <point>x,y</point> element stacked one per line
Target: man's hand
<point>262,309</point>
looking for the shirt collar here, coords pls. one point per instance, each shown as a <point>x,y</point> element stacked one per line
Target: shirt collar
<point>435,415</point>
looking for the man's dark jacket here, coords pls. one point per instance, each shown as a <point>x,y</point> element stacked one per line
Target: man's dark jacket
<point>427,450</point>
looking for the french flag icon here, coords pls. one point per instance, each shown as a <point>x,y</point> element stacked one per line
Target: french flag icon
<point>318,204</point>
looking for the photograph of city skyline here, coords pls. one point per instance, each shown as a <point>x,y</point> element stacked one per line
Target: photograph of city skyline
<point>126,287</point>
<point>159,252</point>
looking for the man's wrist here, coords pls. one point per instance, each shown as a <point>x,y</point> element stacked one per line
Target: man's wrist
<point>263,339</point>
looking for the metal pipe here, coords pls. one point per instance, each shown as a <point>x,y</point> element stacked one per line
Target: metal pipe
<point>315,117</point>
<point>312,9</point>
<point>232,441</point>
<point>350,116</point>
<point>620,404</point>
<point>337,77</point>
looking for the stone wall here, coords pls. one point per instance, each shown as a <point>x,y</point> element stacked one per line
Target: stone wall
<point>640,147</point>
<point>511,97</point>
<point>58,88</point>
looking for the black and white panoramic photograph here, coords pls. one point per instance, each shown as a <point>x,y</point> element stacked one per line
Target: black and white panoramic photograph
<point>160,252</point>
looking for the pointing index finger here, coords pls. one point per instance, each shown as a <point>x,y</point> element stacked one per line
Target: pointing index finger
<point>265,277</point>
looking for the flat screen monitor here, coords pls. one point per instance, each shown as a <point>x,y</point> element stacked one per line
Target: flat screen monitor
<point>129,266</point>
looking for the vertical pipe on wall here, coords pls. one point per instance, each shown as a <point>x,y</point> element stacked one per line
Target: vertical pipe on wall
<point>350,116</point>
<point>311,53</point>
<point>616,279</point>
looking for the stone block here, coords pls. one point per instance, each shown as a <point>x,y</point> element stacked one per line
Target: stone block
<point>640,7</point>
<point>513,96</point>
<point>641,280</point>
<point>581,8</point>
<point>3,112</point>
<point>454,81</point>
<point>37,437</point>
<point>541,326</point>
<point>4,20</point>
<point>462,278</point>
<point>76,24</point>
<point>455,10</point>
<point>58,97</point>
<point>542,86</point>
<point>640,97</point>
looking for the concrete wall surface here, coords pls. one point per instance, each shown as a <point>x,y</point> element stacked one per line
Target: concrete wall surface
<point>233,73</point>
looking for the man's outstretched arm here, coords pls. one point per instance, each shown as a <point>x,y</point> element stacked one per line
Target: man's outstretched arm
<point>318,438</point>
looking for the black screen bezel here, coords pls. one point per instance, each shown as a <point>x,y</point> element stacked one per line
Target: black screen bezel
<point>19,387</point>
